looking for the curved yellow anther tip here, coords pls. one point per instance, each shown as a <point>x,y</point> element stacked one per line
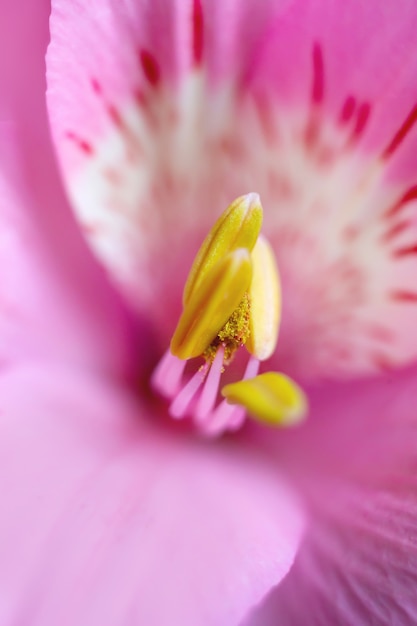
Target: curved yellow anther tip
<point>265,298</point>
<point>237,227</point>
<point>271,398</point>
<point>212,303</point>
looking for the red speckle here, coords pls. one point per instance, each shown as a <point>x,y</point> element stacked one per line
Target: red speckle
<point>350,233</point>
<point>231,147</point>
<point>150,67</point>
<point>400,295</point>
<point>410,194</point>
<point>362,118</point>
<point>82,144</point>
<point>198,32</point>
<point>115,115</point>
<point>113,176</point>
<point>379,332</point>
<point>281,186</point>
<point>405,251</point>
<point>90,229</point>
<point>341,353</point>
<point>326,156</point>
<point>112,111</point>
<point>395,231</point>
<point>96,85</point>
<point>141,98</point>
<point>382,362</point>
<point>267,119</point>
<point>317,91</point>
<point>348,109</point>
<point>401,133</point>
<point>312,133</point>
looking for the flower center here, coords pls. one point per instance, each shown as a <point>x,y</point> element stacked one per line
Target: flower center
<point>231,299</point>
<point>151,158</point>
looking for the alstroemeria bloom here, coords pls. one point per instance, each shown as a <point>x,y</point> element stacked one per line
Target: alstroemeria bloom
<point>161,114</point>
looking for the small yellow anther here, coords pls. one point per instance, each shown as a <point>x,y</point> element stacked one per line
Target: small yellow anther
<point>212,303</point>
<point>237,227</point>
<point>271,397</point>
<point>265,297</point>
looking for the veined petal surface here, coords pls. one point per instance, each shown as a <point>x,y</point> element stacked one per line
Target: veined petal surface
<point>109,518</point>
<point>355,461</point>
<point>55,303</point>
<point>296,100</point>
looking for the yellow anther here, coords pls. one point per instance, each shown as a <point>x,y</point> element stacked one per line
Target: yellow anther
<point>233,335</point>
<point>237,227</point>
<point>265,297</point>
<point>271,397</point>
<point>212,303</point>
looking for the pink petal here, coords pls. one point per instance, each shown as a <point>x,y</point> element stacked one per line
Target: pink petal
<point>357,566</point>
<point>296,100</point>
<point>23,37</point>
<point>322,78</point>
<point>355,463</point>
<point>108,518</point>
<point>132,52</point>
<point>127,50</point>
<point>126,94</point>
<point>54,301</point>
<point>324,54</point>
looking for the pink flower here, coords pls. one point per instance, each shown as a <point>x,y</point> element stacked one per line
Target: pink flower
<point>161,113</point>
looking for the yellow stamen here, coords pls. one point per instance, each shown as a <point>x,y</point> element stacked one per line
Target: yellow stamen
<point>232,298</point>
<point>271,397</point>
<point>237,227</point>
<point>265,297</point>
<point>212,303</point>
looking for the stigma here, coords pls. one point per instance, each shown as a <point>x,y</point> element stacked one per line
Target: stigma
<point>231,304</point>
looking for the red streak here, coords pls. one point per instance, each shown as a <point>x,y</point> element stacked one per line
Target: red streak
<point>90,229</point>
<point>380,333</point>
<point>317,92</point>
<point>396,230</point>
<point>150,67</point>
<point>406,251</point>
<point>403,296</point>
<point>198,32</point>
<point>348,109</point>
<point>382,362</point>
<point>362,118</point>
<point>401,133</point>
<point>350,233</point>
<point>115,115</point>
<point>96,86</point>
<point>84,145</point>
<point>410,194</point>
<point>140,98</point>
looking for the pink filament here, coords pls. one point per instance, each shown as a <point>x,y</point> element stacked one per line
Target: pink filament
<point>212,420</point>
<point>181,402</point>
<point>221,418</point>
<point>252,368</point>
<point>210,390</point>
<point>238,416</point>
<point>166,379</point>
<point>228,416</point>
